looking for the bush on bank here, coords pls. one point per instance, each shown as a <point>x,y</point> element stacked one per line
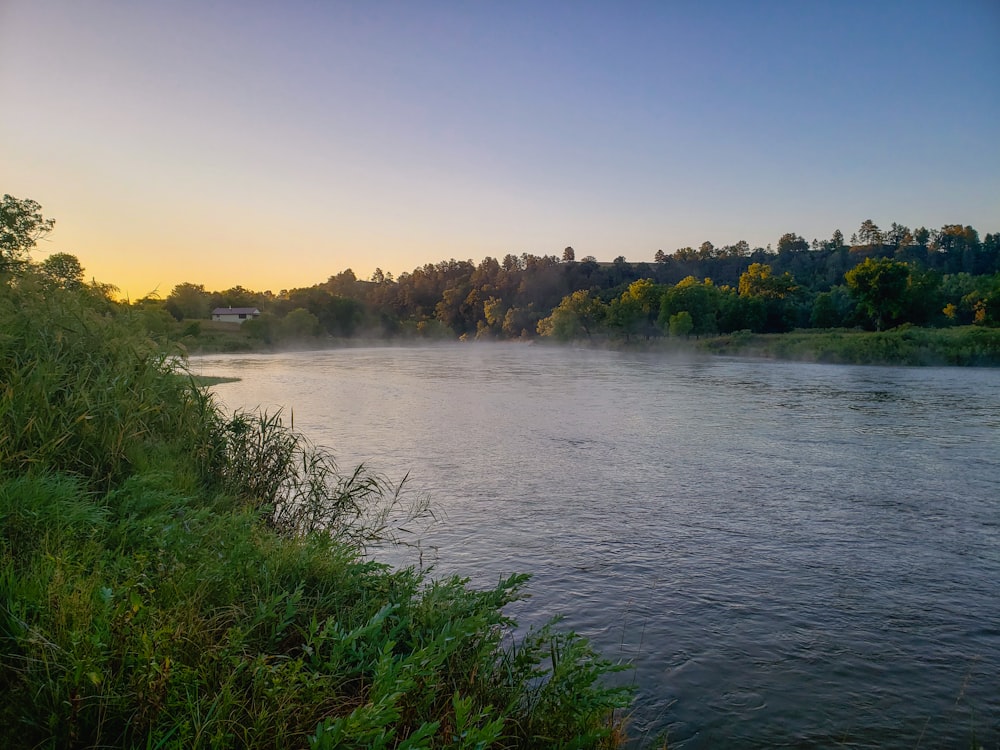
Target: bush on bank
<point>171,576</point>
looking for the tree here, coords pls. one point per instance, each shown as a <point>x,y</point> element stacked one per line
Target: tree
<point>898,235</point>
<point>340,316</point>
<point>681,324</point>
<point>923,301</point>
<point>991,252</point>
<point>740,250</point>
<point>922,236</point>
<point>266,328</point>
<point>758,281</point>
<point>569,255</point>
<point>869,234</point>
<point>621,271</point>
<point>987,306</point>
<point>578,312</point>
<point>237,296</point>
<point>961,248</point>
<point>792,243</point>
<point>880,288</point>
<point>623,316</point>
<point>494,311</point>
<point>64,270</point>
<point>21,227</point>
<point>699,299</point>
<point>188,301</point>
<point>344,284</point>
<point>831,309</point>
<point>768,295</point>
<point>646,295</point>
<point>660,257</point>
<point>300,324</point>
<point>520,321</point>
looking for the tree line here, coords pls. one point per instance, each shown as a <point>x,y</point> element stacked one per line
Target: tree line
<point>877,279</point>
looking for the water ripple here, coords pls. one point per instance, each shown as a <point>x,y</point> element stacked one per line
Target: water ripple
<point>787,555</point>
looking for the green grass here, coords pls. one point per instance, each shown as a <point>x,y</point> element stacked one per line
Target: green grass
<point>172,576</point>
<point>203,381</point>
<point>906,345</point>
<point>212,336</point>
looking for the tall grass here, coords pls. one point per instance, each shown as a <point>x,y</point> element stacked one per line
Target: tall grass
<point>84,393</point>
<point>171,576</point>
<point>297,488</point>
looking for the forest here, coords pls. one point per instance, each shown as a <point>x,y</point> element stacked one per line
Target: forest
<point>876,281</point>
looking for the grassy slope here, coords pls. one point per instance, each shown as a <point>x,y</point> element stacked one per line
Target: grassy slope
<point>160,586</point>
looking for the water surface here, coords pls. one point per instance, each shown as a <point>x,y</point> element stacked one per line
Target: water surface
<point>789,555</point>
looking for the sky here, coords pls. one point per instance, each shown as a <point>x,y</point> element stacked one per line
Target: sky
<point>272,145</point>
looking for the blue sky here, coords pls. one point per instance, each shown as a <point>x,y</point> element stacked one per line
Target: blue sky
<point>274,144</point>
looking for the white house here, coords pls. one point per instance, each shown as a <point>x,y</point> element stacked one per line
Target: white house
<point>235,314</point>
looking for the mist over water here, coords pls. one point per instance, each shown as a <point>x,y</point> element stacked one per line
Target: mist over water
<point>788,554</point>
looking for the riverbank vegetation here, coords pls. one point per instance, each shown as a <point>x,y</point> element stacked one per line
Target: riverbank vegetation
<point>943,279</point>
<point>173,576</point>
<point>906,345</point>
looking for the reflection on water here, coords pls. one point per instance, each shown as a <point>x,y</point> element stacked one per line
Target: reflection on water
<point>789,555</point>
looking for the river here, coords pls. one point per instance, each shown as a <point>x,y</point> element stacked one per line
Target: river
<point>787,555</point>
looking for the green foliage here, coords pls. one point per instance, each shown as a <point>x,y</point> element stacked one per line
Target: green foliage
<point>578,313</point>
<point>264,329</point>
<point>728,288</point>
<point>187,301</point>
<point>759,281</point>
<point>300,325</point>
<point>681,324</point>
<point>21,227</point>
<point>63,270</point>
<point>832,309</point>
<point>699,299</point>
<point>85,394</point>
<point>983,299</point>
<point>792,243</point>
<point>624,316</point>
<point>172,577</point>
<point>297,488</point>
<point>969,345</point>
<point>880,287</point>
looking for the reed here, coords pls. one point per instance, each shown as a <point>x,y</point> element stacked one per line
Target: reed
<point>297,487</point>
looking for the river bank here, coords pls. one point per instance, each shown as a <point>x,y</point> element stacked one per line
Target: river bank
<point>964,346</point>
<point>173,575</point>
<point>785,554</point>
<point>967,346</point>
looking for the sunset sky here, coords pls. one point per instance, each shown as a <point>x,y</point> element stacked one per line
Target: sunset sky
<point>274,144</point>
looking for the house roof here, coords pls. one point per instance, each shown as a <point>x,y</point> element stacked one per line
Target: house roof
<point>235,311</point>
